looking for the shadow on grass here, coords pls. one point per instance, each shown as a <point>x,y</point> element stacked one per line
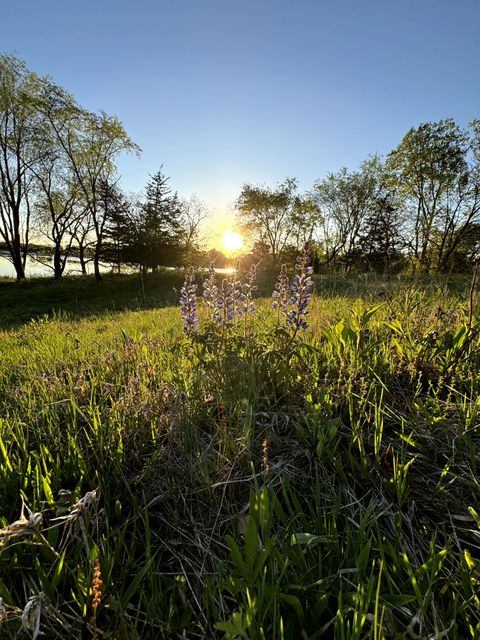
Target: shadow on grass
<point>82,296</point>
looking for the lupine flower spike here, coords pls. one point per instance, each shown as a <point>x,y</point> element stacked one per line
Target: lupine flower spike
<point>188,303</point>
<point>301,289</point>
<point>225,312</point>
<point>210,291</point>
<point>248,287</point>
<point>281,294</point>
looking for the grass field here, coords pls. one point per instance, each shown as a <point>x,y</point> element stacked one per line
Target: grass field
<point>248,481</point>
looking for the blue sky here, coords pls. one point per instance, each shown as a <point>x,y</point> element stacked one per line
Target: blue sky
<point>230,91</point>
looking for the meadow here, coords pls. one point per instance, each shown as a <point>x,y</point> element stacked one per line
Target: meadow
<point>248,478</point>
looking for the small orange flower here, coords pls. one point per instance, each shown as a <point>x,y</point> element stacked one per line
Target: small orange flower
<point>265,464</point>
<point>97,584</point>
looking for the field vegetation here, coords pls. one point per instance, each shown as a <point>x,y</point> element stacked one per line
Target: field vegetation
<point>244,476</point>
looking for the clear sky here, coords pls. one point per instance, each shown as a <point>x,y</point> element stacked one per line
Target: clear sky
<point>230,91</point>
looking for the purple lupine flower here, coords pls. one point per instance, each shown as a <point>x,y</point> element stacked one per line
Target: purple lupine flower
<point>237,294</point>
<point>224,309</point>
<point>188,303</point>
<point>301,289</point>
<point>248,287</point>
<point>210,291</point>
<point>281,294</point>
<point>228,291</point>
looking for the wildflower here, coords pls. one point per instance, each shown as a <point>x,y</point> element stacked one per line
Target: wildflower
<point>188,303</point>
<point>265,463</point>
<point>97,584</point>
<point>238,297</point>
<point>301,289</point>
<point>226,303</point>
<point>247,289</point>
<point>210,290</point>
<point>281,294</point>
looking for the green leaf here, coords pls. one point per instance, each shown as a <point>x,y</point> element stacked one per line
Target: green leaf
<point>6,595</point>
<point>294,602</point>
<point>397,600</point>
<point>369,313</point>
<point>364,556</point>
<point>307,539</point>
<point>236,626</point>
<point>48,491</point>
<point>125,597</point>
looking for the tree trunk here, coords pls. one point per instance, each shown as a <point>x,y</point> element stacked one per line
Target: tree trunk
<point>17,257</point>
<point>19,268</point>
<point>58,265</point>
<point>81,257</point>
<point>96,262</point>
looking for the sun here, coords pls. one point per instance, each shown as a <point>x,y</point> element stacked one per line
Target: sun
<point>232,241</point>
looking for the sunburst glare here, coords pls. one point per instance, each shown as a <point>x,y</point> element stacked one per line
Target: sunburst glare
<point>232,241</point>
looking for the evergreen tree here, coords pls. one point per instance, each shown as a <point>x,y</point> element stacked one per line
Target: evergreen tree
<point>160,229</point>
<point>120,244</point>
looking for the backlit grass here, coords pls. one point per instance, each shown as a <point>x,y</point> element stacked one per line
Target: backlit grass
<point>245,483</point>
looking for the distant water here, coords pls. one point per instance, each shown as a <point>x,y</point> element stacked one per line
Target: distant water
<point>43,266</point>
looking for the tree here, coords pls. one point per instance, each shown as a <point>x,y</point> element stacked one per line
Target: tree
<point>120,246</point>
<point>59,207</point>
<point>379,241</point>
<point>431,170</point>
<point>345,200</point>
<point>20,129</point>
<point>160,227</point>
<point>91,143</point>
<point>82,235</point>
<point>274,217</point>
<point>194,212</point>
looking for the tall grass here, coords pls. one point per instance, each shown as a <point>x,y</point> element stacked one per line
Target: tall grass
<point>244,480</point>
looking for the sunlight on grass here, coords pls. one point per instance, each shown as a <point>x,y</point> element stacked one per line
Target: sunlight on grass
<point>249,477</point>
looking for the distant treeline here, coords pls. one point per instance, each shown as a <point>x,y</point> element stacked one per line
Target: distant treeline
<point>417,209</point>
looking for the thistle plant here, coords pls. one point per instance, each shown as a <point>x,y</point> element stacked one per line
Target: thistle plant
<point>188,303</point>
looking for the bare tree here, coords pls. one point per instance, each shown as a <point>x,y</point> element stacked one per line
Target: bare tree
<point>194,213</point>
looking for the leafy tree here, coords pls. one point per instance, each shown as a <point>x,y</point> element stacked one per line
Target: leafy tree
<point>275,217</point>
<point>20,130</point>
<point>380,242</point>
<point>345,200</point>
<point>91,143</point>
<point>59,206</point>
<point>439,184</point>
<point>83,236</point>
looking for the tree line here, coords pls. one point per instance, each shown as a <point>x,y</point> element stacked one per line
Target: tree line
<point>419,207</point>
<point>58,180</point>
